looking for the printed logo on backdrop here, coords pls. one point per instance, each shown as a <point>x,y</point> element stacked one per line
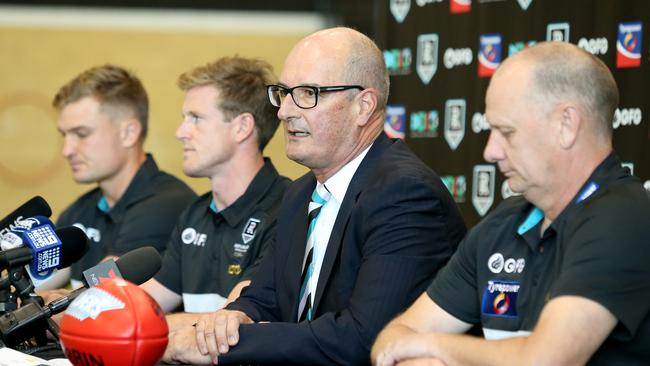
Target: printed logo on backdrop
<point>506,192</point>
<point>191,236</point>
<point>398,61</point>
<point>489,54</point>
<point>595,46</point>
<point>395,121</point>
<point>628,44</point>
<point>629,166</point>
<point>249,230</point>
<point>456,185</point>
<point>457,57</point>
<point>627,117</point>
<point>524,4</point>
<point>479,123</point>
<point>483,188</point>
<point>454,122</point>
<point>558,32</point>
<point>424,124</point>
<point>427,56</point>
<point>460,6</point>
<point>646,185</point>
<point>515,47</point>
<point>400,8</point>
<point>422,3</point>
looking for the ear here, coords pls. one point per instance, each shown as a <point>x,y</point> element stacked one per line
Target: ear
<point>243,127</point>
<point>367,105</point>
<point>570,123</point>
<point>130,131</point>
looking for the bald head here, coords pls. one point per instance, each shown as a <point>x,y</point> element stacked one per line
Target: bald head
<point>355,59</point>
<point>562,72</point>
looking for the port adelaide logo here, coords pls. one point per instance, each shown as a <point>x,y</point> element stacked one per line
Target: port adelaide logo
<point>558,32</point>
<point>400,8</point>
<point>454,122</point>
<point>427,56</point>
<point>250,229</point>
<point>483,188</point>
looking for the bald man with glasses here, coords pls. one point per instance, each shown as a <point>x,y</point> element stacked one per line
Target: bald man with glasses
<point>358,237</point>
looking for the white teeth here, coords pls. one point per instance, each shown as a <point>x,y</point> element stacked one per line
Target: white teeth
<point>298,133</point>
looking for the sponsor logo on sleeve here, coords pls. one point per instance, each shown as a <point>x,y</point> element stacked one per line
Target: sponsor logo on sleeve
<point>460,6</point>
<point>427,56</point>
<point>399,9</point>
<point>628,44</point>
<point>500,299</point>
<point>424,124</point>
<point>395,123</point>
<point>558,32</point>
<point>483,188</point>
<point>489,54</point>
<point>454,122</point>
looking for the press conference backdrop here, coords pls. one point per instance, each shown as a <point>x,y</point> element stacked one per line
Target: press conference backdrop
<point>42,48</point>
<point>441,54</point>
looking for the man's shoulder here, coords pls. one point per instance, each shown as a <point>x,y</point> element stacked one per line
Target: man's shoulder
<point>80,207</point>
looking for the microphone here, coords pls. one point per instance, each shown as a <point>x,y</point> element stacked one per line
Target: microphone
<point>136,266</point>
<point>74,245</point>
<point>36,206</point>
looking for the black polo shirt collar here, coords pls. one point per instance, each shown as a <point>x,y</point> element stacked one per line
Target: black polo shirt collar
<point>143,176</point>
<point>610,169</point>
<point>255,192</point>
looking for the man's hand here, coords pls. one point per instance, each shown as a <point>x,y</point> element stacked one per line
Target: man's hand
<point>217,332</point>
<point>182,348</point>
<point>409,347</point>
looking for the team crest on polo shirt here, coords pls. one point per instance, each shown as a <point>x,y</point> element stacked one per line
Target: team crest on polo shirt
<point>500,299</point>
<point>250,229</point>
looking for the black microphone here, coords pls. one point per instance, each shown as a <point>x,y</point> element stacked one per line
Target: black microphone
<point>36,206</point>
<point>136,266</point>
<point>74,244</point>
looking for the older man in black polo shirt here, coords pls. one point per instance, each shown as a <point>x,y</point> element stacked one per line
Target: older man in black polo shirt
<point>559,276</point>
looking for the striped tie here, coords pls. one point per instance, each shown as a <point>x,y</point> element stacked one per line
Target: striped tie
<point>318,199</point>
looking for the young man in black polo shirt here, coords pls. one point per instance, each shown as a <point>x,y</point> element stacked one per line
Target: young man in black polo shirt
<point>560,275</point>
<point>219,239</point>
<point>103,116</point>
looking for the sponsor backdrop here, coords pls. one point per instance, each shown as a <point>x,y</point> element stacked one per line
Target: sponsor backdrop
<point>441,54</point>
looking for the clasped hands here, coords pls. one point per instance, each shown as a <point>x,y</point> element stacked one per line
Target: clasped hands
<point>211,336</point>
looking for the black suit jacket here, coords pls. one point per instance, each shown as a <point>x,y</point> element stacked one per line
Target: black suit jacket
<point>396,227</point>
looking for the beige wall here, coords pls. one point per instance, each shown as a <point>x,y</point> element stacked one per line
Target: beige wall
<point>36,59</point>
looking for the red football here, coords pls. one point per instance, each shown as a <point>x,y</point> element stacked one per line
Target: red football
<point>115,323</point>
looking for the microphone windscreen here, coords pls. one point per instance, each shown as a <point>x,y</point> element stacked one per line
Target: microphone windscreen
<point>139,265</point>
<point>36,206</point>
<point>74,244</point>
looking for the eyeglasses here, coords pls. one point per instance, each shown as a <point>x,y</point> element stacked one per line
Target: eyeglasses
<point>304,96</point>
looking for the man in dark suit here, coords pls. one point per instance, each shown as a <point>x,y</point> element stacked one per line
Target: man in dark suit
<point>385,222</point>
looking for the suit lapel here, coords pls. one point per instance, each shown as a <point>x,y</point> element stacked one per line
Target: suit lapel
<point>345,211</point>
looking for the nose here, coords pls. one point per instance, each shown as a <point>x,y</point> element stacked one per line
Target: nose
<point>69,147</point>
<point>287,108</point>
<point>493,151</point>
<point>182,131</point>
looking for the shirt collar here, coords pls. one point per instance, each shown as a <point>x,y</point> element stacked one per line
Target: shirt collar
<point>338,184</point>
<point>256,191</point>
